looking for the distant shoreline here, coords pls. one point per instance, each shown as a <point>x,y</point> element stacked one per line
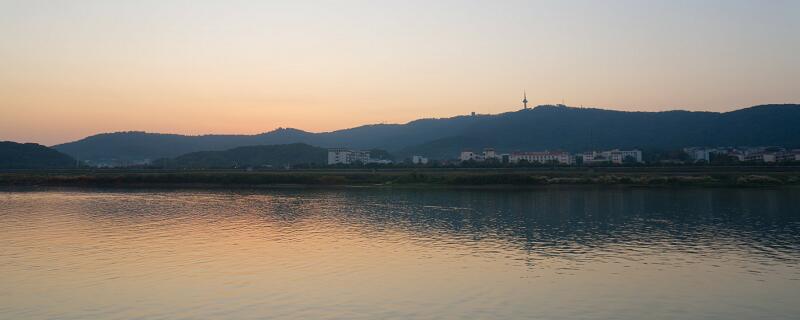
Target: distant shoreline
<point>410,178</point>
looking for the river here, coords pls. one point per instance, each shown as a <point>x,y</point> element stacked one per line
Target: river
<point>375,253</point>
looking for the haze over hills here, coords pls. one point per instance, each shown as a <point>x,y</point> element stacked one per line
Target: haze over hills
<point>32,156</point>
<point>540,128</point>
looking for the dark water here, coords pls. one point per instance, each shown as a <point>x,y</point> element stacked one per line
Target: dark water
<point>568,253</point>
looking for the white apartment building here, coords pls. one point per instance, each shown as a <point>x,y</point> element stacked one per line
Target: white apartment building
<point>705,154</point>
<point>345,156</point>
<point>541,157</point>
<point>789,155</point>
<point>623,154</point>
<point>614,156</point>
<point>795,155</point>
<point>761,157</point>
<point>487,154</point>
<point>699,154</point>
<point>467,155</point>
<point>471,156</point>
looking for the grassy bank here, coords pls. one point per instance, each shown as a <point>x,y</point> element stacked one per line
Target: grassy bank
<point>741,178</point>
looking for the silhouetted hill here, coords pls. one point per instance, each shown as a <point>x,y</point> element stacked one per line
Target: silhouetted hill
<point>31,156</point>
<point>540,128</point>
<point>136,145</point>
<point>252,156</point>
<point>579,129</point>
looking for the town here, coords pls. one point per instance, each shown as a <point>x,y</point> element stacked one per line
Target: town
<point>689,155</point>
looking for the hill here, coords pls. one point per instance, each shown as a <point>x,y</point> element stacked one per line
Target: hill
<point>252,156</point>
<point>32,156</point>
<point>578,129</point>
<point>540,128</point>
<point>133,146</point>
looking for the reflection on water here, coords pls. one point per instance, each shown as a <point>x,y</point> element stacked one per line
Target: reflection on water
<point>560,253</point>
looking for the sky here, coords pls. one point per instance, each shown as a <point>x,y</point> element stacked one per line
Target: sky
<point>69,69</point>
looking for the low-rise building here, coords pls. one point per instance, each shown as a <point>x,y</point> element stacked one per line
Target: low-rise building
<point>346,156</point>
<point>487,154</point>
<point>699,153</point>
<point>468,155</point>
<point>615,156</point>
<point>765,154</point>
<point>761,157</point>
<point>541,157</point>
<point>592,157</point>
<point>786,155</point>
<point>419,160</point>
<point>634,155</point>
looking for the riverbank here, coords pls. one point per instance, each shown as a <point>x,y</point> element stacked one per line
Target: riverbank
<point>400,178</point>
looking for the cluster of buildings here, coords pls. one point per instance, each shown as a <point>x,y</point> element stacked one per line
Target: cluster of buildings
<point>347,156</point>
<point>615,156</point>
<point>565,158</point>
<point>744,154</point>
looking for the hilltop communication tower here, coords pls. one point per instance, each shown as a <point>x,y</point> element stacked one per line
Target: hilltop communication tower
<point>525,100</point>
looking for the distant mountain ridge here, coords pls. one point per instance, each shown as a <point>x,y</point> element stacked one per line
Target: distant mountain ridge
<point>540,128</point>
<point>32,156</point>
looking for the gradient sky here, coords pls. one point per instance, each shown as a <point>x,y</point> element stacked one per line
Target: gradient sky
<point>69,69</point>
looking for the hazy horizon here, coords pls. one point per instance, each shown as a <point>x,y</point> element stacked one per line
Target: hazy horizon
<point>363,124</point>
<point>73,69</point>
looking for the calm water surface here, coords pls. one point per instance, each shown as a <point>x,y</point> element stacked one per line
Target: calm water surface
<point>565,253</point>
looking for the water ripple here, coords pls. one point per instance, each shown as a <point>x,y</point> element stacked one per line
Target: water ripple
<point>423,254</point>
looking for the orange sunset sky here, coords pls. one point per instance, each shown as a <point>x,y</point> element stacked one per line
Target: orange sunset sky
<point>69,69</point>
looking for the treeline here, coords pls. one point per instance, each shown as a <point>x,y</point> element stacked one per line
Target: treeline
<point>269,156</point>
<point>399,178</point>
